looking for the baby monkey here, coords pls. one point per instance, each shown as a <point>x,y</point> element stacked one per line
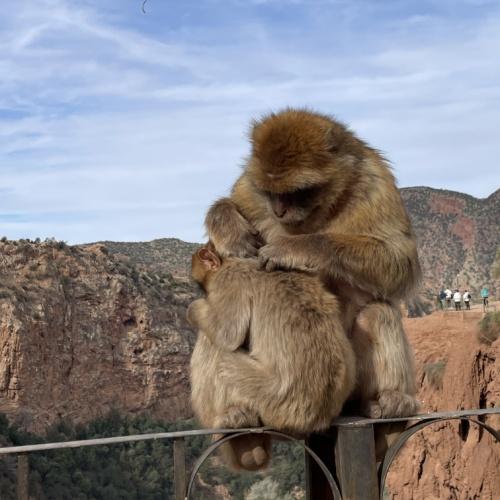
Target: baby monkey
<point>271,351</point>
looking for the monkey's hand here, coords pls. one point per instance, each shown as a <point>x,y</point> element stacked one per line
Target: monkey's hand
<point>195,312</point>
<point>230,232</point>
<point>284,253</point>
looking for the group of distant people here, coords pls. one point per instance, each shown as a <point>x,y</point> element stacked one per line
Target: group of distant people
<point>447,297</point>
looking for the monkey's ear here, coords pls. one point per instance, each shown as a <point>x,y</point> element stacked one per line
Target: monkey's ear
<point>210,260</point>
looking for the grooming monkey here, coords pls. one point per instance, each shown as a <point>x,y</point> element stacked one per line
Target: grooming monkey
<point>322,200</point>
<point>271,350</point>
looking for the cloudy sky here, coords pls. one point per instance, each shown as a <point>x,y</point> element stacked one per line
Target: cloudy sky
<point>120,125</point>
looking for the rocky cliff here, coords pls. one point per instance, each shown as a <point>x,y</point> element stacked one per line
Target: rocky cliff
<point>82,331</point>
<point>455,371</point>
<point>457,237</point>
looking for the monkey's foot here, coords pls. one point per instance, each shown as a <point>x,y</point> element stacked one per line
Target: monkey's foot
<point>252,452</point>
<point>391,404</point>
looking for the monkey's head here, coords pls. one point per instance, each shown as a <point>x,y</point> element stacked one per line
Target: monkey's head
<point>300,162</point>
<point>204,262</point>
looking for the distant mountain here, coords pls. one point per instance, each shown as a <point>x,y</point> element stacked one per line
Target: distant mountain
<point>457,237</point>
<point>162,255</point>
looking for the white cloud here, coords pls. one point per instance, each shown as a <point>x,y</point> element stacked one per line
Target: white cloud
<point>113,128</point>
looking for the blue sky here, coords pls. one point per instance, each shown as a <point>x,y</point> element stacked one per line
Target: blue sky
<point>120,125</point>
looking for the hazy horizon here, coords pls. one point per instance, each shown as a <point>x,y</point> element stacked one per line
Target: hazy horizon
<point>202,239</point>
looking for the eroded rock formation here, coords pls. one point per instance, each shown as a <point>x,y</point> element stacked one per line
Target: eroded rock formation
<point>82,331</point>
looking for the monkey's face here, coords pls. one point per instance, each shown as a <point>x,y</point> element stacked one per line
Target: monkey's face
<point>293,163</point>
<point>291,208</point>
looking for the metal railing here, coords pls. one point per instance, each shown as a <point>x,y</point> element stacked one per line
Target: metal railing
<point>340,464</point>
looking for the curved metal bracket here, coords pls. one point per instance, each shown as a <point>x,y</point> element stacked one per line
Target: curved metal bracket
<point>404,436</point>
<point>201,460</point>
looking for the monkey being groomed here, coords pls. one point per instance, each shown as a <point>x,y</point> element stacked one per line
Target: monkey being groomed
<point>271,350</point>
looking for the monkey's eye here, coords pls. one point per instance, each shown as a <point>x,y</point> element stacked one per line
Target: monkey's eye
<point>267,194</point>
<point>304,196</point>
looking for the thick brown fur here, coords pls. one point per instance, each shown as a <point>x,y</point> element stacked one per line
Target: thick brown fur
<point>271,350</point>
<point>324,201</point>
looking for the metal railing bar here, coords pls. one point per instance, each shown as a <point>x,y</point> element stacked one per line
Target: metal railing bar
<point>124,439</point>
<point>179,468</point>
<point>341,421</point>
<point>360,421</point>
<point>22,477</point>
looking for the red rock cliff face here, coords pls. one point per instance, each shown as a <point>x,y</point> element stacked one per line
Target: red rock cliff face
<point>451,460</point>
<point>457,237</point>
<point>82,332</point>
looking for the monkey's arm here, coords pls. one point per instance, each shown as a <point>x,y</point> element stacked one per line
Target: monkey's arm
<point>385,268</point>
<point>230,222</point>
<point>223,318</point>
<point>230,232</point>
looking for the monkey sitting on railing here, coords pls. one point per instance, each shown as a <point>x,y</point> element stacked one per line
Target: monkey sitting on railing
<point>271,351</point>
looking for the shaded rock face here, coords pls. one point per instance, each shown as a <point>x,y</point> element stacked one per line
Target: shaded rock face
<point>82,331</point>
<point>457,237</point>
<point>451,460</point>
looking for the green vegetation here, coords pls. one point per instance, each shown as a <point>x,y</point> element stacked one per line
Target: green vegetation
<point>489,328</point>
<point>141,470</point>
<point>496,265</point>
<point>434,373</point>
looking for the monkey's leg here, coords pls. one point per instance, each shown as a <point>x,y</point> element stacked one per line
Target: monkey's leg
<point>386,376</point>
<point>216,405</point>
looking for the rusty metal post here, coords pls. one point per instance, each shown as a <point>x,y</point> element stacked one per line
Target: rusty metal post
<point>317,487</point>
<point>179,468</point>
<point>22,476</point>
<point>356,464</point>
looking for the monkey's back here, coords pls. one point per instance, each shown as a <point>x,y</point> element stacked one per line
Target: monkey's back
<point>297,335</point>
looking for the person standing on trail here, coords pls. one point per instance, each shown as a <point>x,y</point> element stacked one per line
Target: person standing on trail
<point>449,295</point>
<point>485,293</point>
<point>467,297</point>
<point>441,298</point>
<point>457,298</point>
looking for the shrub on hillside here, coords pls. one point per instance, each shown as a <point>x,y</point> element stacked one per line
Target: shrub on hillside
<point>434,373</point>
<point>489,328</point>
<point>141,470</point>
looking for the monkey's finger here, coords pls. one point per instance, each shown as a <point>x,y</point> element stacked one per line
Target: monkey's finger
<point>262,261</point>
<point>250,251</point>
<point>256,240</point>
<point>271,265</point>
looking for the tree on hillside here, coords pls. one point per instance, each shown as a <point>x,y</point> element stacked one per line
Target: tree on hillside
<point>496,265</point>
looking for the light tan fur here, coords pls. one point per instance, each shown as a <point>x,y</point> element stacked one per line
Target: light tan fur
<point>322,200</point>
<point>271,349</point>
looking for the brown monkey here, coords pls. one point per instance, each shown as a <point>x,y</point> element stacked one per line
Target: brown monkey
<point>271,350</point>
<point>324,201</point>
